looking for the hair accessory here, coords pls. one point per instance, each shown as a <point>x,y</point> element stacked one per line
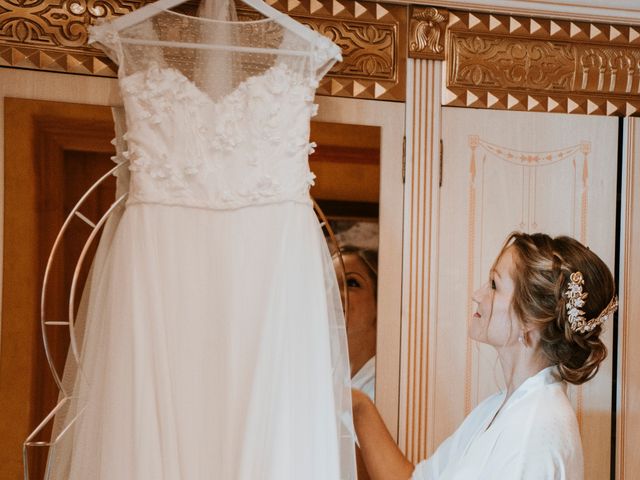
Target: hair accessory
<point>576,300</point>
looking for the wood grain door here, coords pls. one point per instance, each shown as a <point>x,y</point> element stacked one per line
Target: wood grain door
<point>53,153</point>
<point>505,171</point>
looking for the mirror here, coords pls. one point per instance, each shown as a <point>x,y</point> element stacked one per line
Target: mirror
<point>347,189</point>
<point>61,147</point>
<point>378,123</point>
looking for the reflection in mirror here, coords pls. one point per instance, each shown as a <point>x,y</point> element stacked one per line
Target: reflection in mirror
<point>347,166</point>
<point>359,269</point>
<point>54,152</point>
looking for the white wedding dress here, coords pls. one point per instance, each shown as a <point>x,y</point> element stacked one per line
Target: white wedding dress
<point>214,344</point>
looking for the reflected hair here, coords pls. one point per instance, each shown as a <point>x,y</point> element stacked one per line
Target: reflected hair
<point>542,269</point>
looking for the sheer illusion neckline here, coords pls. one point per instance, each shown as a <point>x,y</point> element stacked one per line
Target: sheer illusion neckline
<point>225,22</point>
<point>166,71</point>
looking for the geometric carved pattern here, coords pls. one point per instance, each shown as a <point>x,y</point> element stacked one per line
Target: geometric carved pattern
<point>561,103</point>
<point>373,40</point>
<point>496,62</point>
<point>52,35</point>
<point>55,24</point>
<point>535,64</point>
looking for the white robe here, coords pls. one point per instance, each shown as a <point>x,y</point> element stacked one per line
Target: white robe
<point>534,437</point>
<point>365,378</point>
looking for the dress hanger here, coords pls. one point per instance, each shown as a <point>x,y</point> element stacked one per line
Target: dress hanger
<point>158,6</point>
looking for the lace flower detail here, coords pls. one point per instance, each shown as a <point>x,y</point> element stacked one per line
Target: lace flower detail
<point>140,164</point>
<point>280,80</point>
<point>310,179</point>
<point>224,137</point>
<point>311,148</point>
<point>267,186</point>
<point>325,50</point>
<point>103,32</point>
<point>192,168</point>
<point>247,147</point>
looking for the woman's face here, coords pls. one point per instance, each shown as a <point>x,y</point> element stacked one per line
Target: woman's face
<point>362,298</point>
<point>494,322</point>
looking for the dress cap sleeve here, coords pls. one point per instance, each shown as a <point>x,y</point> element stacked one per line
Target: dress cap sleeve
<point>325,55</point>
<point>104,33</point>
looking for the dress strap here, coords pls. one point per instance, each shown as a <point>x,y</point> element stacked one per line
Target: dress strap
<point>104,33</point>
<point>325,55</point>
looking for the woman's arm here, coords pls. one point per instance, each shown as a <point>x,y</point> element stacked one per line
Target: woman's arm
<point>381,455</point>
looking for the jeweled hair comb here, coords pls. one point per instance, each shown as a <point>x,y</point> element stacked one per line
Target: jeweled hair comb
<point>577,299</point>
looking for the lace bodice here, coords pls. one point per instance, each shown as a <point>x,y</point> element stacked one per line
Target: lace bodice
<point>248,146</point>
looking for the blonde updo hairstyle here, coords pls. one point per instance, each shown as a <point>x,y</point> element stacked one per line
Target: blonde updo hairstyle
<point>542,267</point>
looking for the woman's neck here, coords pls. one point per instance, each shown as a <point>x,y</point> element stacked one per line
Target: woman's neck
<point>520,363</point>
<point>362,346</point>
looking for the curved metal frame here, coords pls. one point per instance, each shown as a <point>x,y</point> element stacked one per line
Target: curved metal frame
<point>324,223</point>
<point>70,323</point>
<point>76,273</point>
<point>56,244</point>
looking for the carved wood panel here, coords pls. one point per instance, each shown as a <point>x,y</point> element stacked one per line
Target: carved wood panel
<point>51,35</point>
<point>546,65</point>
<point>427,27</point>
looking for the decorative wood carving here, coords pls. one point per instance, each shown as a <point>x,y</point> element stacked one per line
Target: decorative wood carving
<point>536,64</point>
<point>510,63</point>
<point>427,26</point>
<point>373,41</point>
<point>48,35</point>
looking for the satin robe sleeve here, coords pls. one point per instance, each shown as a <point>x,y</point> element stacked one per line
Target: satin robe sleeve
<point>537,438</point>
<point>545,445</point>
<point>454,446</point>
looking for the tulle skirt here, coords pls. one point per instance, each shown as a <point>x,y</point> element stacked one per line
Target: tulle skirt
<point>213,347</point>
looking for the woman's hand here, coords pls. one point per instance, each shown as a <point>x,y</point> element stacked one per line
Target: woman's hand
<point>358,399</point>
<point>381,455</point>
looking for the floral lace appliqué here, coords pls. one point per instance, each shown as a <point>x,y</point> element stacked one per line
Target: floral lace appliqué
<point>249,147</point>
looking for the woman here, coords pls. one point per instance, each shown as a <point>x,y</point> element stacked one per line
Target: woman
<point>361,275</point>
<point>543,310</point>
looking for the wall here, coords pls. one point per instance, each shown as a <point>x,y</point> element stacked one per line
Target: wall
<point>48,86</point>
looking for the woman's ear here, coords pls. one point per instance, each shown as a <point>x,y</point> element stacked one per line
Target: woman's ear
<point>531,335</point>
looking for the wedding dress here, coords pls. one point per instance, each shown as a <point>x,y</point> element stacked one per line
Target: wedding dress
<point>213,341</point>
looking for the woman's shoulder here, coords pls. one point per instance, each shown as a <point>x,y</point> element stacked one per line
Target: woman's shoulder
<point>546,419</point>
<point>543,435</point>
<point>544,392</point>
<point>551,404</point>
